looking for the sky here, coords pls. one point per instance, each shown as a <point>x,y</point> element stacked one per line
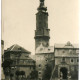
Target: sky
<point>19,22</point>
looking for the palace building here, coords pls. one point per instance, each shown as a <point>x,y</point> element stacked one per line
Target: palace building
<point>64,56</point>
<point>58,62</point>
<point>66,61</point>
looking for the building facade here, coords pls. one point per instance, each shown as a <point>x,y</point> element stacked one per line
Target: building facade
<point>43,56</point>
<point>17,62</point>
<point>66,61</point>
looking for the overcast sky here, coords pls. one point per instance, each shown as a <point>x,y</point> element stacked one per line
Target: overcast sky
<point>19,22</point>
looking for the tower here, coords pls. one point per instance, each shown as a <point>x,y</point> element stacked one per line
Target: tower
<point>42,31</point>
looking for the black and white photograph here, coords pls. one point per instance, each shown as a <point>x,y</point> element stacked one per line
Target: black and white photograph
<point>40,40</point>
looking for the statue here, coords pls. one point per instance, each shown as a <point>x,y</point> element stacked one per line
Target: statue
<point>41,0</point>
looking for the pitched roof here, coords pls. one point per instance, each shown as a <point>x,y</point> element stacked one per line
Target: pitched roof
<point>17,48</point>
<point>42,49</point>
<point>68,45</point>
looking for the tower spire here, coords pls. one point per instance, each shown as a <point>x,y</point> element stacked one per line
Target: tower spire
<point>41,3</point>
<point>42,6</point>
<point>42,31</point>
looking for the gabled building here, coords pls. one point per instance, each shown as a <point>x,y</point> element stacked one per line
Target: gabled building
<point>66,61</point>
<point>17,59</point>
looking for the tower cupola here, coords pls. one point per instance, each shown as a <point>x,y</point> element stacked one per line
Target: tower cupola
<point>42,6</point>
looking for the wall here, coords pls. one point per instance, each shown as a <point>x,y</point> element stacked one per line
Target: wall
<point>41,61</point>
<point>67,58</point>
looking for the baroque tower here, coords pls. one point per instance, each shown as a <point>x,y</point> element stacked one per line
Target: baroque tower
<point>42,31</point>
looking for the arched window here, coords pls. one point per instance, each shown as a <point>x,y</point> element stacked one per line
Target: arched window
<point>72,60</point>
<point>39,65</point>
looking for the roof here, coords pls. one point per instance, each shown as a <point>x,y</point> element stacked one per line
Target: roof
<point>42,49</point>
<point>68,45</point>
<point>17,48</point>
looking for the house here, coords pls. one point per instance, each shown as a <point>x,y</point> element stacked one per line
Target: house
<point>16,59</point>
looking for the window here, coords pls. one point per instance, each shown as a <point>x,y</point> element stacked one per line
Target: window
<point>21,61</point>
<point>39,72</point>
<point>39,65</point>
<point>70,51</point>
<point>77,60</point>
<point>47,44</point>
<point>30,68</point>
<point>77,68</point>
<point>77,51</point>
<point>24,61</point>
<point>63,59</point>
<point>72,68</point>
<point>71,60</point>
<point>17,61</point>
<point>12,68</point>
<point>46,60</point>
<point>63,51</point>
<point>48,49</point>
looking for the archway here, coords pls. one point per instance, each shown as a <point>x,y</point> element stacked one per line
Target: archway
<point>64,70</point>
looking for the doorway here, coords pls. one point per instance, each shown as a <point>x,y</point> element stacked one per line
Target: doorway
<point>63,71</point>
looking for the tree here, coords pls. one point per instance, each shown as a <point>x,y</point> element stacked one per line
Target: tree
<point>47,71</point>
<point>17,74</point>
<point>34,74</point>
<point>7,66</point>
<point>11,75</point>
<point>22,73</point>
